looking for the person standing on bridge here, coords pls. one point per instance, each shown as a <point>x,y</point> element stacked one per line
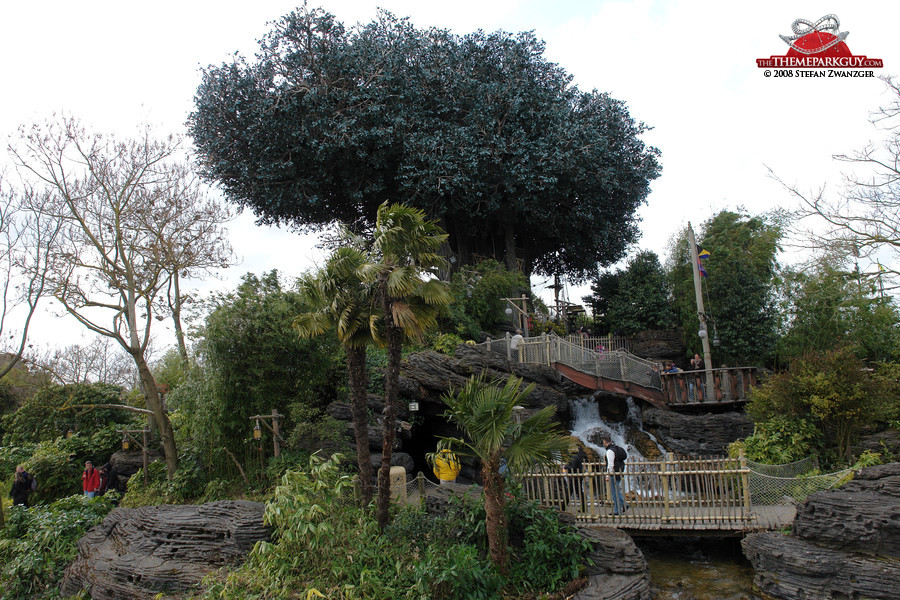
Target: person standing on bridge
<point>615,465</point>
<point>514,342</point>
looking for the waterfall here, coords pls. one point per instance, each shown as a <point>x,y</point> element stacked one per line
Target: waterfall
<point>586,421</point>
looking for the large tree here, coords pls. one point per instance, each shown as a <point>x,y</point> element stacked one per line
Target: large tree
<point>635,298</point>
<point>480,131</point>
<point>26,237</point>
<point>739,291</point>
<point>110,264</point>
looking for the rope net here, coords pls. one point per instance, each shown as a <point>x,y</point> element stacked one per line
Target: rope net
<point>769,490</point>
<point>786,470</point>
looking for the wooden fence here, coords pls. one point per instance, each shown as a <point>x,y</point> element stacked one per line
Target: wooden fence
<point>701,493</point>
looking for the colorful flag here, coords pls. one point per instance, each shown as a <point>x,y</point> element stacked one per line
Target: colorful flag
<point>702,253</point>
<point>702,270</point>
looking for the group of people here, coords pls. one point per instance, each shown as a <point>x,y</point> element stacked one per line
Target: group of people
<point>615,465</point>
<point>96,482</point>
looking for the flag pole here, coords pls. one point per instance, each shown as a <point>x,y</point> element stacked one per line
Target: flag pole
<point>701,314</point>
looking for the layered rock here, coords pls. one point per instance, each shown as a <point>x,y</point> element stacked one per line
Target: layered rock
<point>139,553</point>
<point>619,570</point>
<point>845,543</point>
<point>697,434</point>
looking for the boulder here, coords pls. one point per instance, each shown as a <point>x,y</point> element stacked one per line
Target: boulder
<point>697,435</point>
<point>845,543</point>
<point>398,459</point>
<point>661,345</point>
<point>789,568</point>
<point>128,463</point>
<point>139,553</point>
<point>619,571</point>
<point>863,516</point>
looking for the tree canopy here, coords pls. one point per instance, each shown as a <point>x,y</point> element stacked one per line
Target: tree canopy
<point>480,131</point>
<point>739,290</point>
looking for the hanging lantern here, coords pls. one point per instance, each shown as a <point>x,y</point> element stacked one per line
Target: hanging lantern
<point>69,434</point>
<point>257,431</point>
<point>126,444</point>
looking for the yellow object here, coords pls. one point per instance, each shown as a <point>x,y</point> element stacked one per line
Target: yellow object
<point>446,466</point>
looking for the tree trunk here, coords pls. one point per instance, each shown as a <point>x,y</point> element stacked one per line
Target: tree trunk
<point>394,339</point>
<point>175,306</point>
<point>151,395</point>
<point>495,517</point>
<point>509,242</point>
<point>356,371</point>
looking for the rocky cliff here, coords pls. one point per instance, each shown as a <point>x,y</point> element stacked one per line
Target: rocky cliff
<point>137,553</point>
<point>845,544</point>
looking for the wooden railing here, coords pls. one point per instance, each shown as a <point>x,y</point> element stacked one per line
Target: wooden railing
<point>730,384</point>
<point>551,349</point>
<point>702,493</point>
<point>605,367</point>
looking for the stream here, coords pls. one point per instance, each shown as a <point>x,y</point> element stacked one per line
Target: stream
<point>681,568</point>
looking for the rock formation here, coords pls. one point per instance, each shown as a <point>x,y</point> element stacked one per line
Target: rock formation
<point>139,553</point>
<point>619,571</point>
<point>845,543</point>
<point>697,435</point>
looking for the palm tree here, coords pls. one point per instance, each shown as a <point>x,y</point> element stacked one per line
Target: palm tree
<point>484,412</point>
<point>338,298</point>
<point>406,244</point>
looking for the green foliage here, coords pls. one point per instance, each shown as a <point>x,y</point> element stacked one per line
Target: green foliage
<point>827,305</point>
<point>835,392</point>
<point>868,459</point>
<point>480,131</point>
<point>446,343</point>
<point>781,440</point>
<point>39,542</point>
<point>40,418</point>
<point>478,298</point>
<point>633,299</point>
<point>551,554</point>
<point>170,371</point>
<point>740,287</point>
<point>251,362</point>
<point>323,544</point>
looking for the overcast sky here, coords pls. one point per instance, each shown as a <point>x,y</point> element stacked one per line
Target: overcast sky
<point>687,69</point>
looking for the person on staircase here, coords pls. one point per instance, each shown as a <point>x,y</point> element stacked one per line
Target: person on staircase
<point>615,465</point>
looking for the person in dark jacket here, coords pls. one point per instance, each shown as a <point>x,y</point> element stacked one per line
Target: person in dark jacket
<point>21,487</point>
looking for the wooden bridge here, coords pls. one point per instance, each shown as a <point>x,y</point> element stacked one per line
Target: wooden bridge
<point>665,497</point>
<point>620,372</point>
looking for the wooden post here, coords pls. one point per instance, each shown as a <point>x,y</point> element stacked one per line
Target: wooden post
<point>665,485</point>
<point>146,456</point>
<point>745,483</point>
<point>508,348</point>
<point>420,479</point>
<point>275,436</point>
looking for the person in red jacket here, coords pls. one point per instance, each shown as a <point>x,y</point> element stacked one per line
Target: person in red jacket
<point>90,480</point>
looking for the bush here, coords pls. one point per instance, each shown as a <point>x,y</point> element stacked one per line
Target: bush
<point>39,542</point>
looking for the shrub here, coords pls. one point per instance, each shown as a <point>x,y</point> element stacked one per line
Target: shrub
<point>39,542</point>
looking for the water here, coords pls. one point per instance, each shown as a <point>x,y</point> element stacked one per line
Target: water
<point>680,568</point>
<point>697,568</point>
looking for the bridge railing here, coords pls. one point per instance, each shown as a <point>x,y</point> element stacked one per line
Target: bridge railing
<point>549,349</point>
<point>684,493</point>
<point>730,384</point>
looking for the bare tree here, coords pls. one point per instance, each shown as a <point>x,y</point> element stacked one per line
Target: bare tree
<point>101,360</point>
<point>25,241</point>
<point>864,220</point>
<point>118,200</point>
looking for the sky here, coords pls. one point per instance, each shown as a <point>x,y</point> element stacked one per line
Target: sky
<point>686,69</point>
